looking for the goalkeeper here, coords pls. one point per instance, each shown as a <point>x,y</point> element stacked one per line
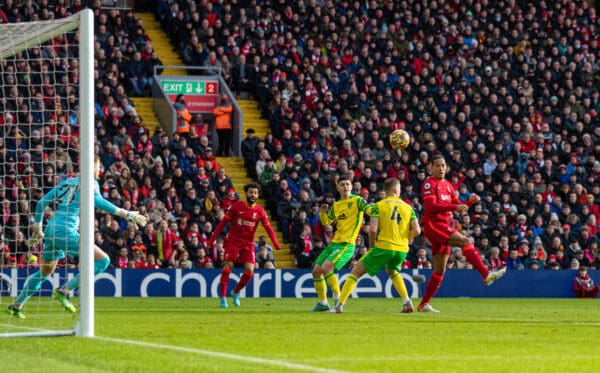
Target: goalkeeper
<point>61,236</point>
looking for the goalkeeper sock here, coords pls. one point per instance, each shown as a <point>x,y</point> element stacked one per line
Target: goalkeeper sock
<point>34,283</point>
<point>321,289</point>
<point>246,277</point>
<point>334,284</point>
<point>100,266</point>
<point>224,282</point>
<point>348,288</point>
<point>474,258</point>
<point>432,287</point>
<point>399,285</point>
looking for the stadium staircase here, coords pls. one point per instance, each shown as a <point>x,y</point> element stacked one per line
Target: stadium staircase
<point>234,166</point>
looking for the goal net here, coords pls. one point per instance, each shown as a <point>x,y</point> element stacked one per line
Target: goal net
<point>46,122</point>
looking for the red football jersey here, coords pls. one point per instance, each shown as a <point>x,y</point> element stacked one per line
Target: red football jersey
<point>244,221</point>
<point>439,199</point>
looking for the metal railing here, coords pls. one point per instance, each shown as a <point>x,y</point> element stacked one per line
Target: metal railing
<point>167,116</point>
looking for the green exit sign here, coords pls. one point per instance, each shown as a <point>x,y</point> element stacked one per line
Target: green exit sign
<point>183,87</point>
<point>175,87</point>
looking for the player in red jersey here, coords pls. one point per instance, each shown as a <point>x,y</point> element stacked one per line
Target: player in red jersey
<point>239,242</point>
<point>440,201</point>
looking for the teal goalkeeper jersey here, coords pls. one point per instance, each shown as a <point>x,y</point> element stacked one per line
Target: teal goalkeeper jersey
<point>65,197</point>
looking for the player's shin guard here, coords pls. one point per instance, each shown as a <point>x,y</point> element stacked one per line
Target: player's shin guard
<point>432,287</point>
<point>224,282</point>
<point>34,283</point>
<point>399,285</point>
<point>246,277</point>
<point>348,288</point>
<point>473,257</point>
<point>100,266</point>
<point>334,284</point>
<point>321,289</point>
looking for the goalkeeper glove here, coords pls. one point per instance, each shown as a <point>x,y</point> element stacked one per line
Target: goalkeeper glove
<point>36,235</point>
<point>137,219</point>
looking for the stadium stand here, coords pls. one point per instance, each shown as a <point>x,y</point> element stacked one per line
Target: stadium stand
<point>506,90</point>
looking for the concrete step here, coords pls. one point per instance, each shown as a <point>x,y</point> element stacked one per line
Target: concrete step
<point>161,43</point>
<point>234,166</point>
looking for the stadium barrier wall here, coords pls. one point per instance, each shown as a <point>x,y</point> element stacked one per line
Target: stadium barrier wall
<point>297,283</point>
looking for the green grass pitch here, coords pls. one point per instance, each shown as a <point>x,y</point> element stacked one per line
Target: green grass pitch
<point>280,335</point>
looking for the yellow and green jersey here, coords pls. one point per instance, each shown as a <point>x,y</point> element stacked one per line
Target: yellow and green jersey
<point>348,216</point>
<point>395,217</point>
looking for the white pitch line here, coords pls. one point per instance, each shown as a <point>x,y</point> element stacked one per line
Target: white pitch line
<point>225,355</point>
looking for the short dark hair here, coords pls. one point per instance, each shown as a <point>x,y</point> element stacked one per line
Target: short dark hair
<point>252,185</point>
<point>344,178</point>
<point>436,157</point>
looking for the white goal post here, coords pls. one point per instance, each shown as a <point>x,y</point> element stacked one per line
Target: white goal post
<point>16,40</point>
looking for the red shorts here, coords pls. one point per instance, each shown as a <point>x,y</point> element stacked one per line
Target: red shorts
<point>238,253</point>
<point>438,235</point>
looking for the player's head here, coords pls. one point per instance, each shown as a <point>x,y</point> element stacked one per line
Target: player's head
<point>252,191</point>
<point>344,186</point>
<point>392,187</point>
<point>438,166</point>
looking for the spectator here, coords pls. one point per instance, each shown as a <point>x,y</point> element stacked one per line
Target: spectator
<point>249,144</point>
<point>264,256</point>
<point>286,211</point>
<point>514,260</point>
<point>183,116</point>
<point>268,171</point>
<point>183,260</point>
<point>138,75</point>
<point>139,258</point>
<point>164,240</point>
<point>584,286</point>
<point>361,84</point>
<point>223,126</point>
<point>532,261</point>
<point>202,260</point>
<point>122,259</point>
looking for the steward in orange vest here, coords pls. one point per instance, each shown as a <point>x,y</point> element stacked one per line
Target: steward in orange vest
<point>223,126</point>
<point>183,116</point>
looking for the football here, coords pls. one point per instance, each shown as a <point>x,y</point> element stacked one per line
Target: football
<point>399,139</point>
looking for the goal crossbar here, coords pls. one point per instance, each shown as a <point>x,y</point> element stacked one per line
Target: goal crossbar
<point>33,33</point>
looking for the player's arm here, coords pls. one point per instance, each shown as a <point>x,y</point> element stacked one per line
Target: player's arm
<point>474,198</point>
<point>37,231</point>
<point>47,199</point>
<point>219,228</point>
<point>430,203</point>
<point>373,224</point>
<point>364,206</point>
<point>132,216</point>
<point>326,215</point>
<point>415,227</point>
<point>267,225</point>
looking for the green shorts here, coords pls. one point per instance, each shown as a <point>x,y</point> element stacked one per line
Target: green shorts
<point>337,253</point>
<point>375,259</point>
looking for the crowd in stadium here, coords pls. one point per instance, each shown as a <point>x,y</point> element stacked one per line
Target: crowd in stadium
<point>506,90</point>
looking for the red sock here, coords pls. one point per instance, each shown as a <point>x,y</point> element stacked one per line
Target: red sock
<point>224,281</point>
<point>246,276</point>
<point>432,287</point>
<point>473,257</point>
